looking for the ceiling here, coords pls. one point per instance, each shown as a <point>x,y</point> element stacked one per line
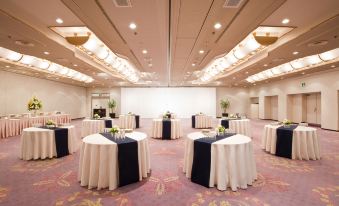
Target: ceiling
<point>172,31</point>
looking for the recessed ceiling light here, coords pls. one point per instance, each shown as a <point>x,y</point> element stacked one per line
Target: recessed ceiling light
<point>295,53</point>
<point>144,51</point>
<point>59,21</point>
<point>217,25</point>
<point>201,51</point>
<point>193,65</point>
<point>132,26</point>
<point>285,21</point>
<point>46,52</point>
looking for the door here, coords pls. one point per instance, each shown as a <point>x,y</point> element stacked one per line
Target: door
<point>313,108</point>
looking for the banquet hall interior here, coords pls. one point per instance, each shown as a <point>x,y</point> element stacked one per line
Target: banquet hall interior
<point>169,102</point>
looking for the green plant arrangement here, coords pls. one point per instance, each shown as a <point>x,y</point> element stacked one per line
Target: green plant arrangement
<point>112,104</point>
<point>225,104</point>
<point>34,104</point>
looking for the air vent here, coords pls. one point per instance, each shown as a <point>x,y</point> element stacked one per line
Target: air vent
<point>122,3</point>
<point>232,4</point>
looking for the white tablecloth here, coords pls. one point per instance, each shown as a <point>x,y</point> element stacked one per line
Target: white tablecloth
<point>92,126</point>
<point>240,126</point>
<point>232,161</point>
<point>98,165</point>
<point>127,121</point>
<point>305,144</point>
<point>14,126</point>
<point>39,143</point>
<point>203,121</point>
<point>176,130</point>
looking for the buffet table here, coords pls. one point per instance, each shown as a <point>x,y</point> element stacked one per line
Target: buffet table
<point>223,161</point>
<point>201,121</point>
<point>129,121</point>
<point>166,128</point>
<point>109,162</point>
<point>239,126</point>
<point>294,142</point>
<point>14,126</point>
<point>42,143</point>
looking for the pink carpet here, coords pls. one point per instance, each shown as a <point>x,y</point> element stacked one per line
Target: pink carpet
<point>280,181</point>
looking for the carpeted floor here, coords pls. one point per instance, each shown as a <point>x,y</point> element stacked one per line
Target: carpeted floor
<point>280,181</point>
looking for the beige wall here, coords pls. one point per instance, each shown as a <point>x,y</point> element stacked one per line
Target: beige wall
<point>326,83</point>
<point>238,97</point>
<point>16,90</point>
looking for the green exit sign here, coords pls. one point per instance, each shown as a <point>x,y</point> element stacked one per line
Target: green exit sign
<point>303,84</point>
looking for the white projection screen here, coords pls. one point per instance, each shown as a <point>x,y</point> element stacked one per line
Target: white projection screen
<point>184,102</point>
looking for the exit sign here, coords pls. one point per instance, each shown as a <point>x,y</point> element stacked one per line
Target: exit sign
<point>303,84</point>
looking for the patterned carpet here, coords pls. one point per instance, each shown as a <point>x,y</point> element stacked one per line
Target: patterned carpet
<point>280,181</point>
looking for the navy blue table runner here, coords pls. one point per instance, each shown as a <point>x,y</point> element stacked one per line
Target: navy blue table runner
<point>284,141</point>
<point>128,160</point>
<point>225,123</point>
<point>166,129</point>
<point>137,121</point>
<point>201,166</point>
<point>61,140</point>
<point>108,123</point>
<point>193,121</point>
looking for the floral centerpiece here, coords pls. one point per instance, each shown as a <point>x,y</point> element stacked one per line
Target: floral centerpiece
<point>165,116</point>
<point>287,122</point>
<point>233,116</point>
<point>34,104</point>
<point>130,113</point>
<point>114,130</point>
<point>50,123</point>
<point>220,129</point>
<point>96,116</point>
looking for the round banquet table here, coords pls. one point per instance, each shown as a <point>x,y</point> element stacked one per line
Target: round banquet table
<point>39,143</point>
<point>239,126</point>
<point>176,131</point>
<point>202,121</point>
<point>305,142</point>
<point>232,161</point>
<point>98,165</point>
<point>3,123</point>
<point>92,126</point>
<point>127,121</point>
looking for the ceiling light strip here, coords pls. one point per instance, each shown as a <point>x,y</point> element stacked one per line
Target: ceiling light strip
<point>97,49</point>
<point>42,65</point>
<point>296,65</point>
<point>243,51</point>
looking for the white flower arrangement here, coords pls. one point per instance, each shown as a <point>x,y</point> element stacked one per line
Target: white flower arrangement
<point>287,122</point>
<point>114,130</point>
<point>220,129</point>
<point>34,104</point>
<point>96,116</point>
<point>50,123</point>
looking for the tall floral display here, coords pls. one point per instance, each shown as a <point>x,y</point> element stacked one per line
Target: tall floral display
<point>34,104</point>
